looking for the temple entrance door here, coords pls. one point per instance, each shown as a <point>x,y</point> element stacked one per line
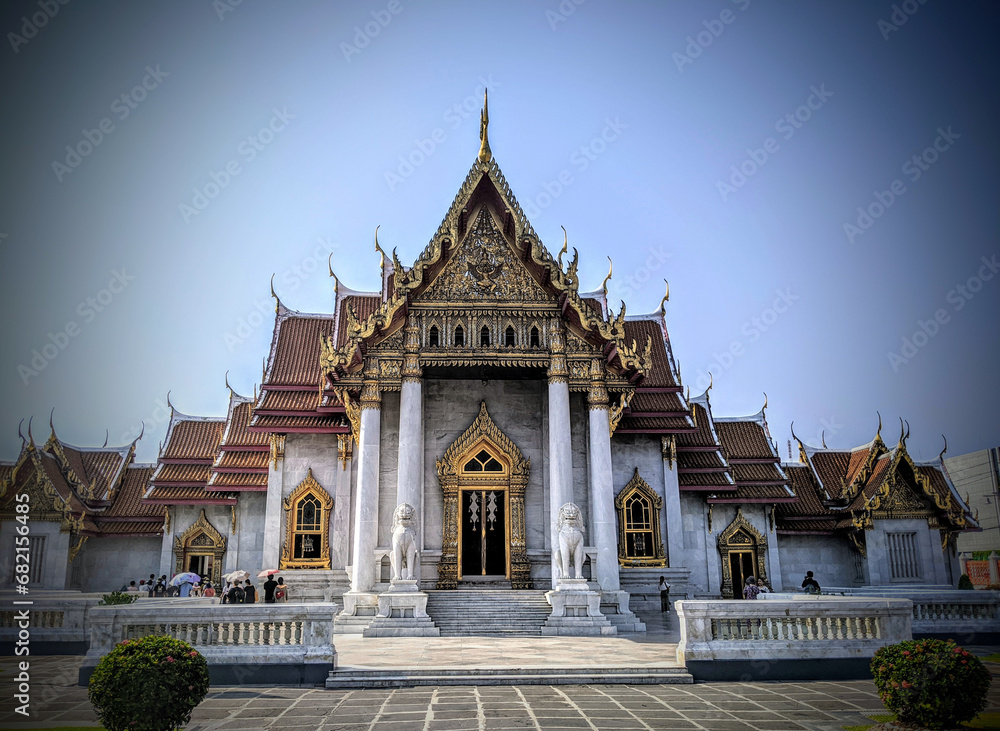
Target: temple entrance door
<point>741,565</point>
<point>483,534</point>
<point>200,564</point>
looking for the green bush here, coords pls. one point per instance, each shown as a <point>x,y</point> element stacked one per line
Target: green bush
<point>931,683</point>
<point>964,582</point>
<point>148,684</point>
<point>118,597</point>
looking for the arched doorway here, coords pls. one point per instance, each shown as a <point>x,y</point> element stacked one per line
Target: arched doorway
<point>742,549</point>
<point>483,476</point>
<point>200,550</point>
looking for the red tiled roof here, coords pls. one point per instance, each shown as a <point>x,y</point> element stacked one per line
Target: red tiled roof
<point>237,481</point>
<point>187,496</point>
<point>807,526</point>
<point>307,401</point>
<point>830,468</point>
<point>756,493</point>
<point>640,330</point>
<point>704,479</point>
<point>334,422</point>
<point>236,434</point>
<point>757,473</point>
<point>702,460</point>
<point>655,402</point>
<point>807,492</point>
<point>701,438</point>
<point>363,307</point>
<point>653,424</point>
<point>296,357</point>
<point>126,501</point>
<point>743,439</point>
<point>241,461</point>
<point>183,473</point>
<point>194,439</point>
<point>131,528</point>
<point>857,461</point>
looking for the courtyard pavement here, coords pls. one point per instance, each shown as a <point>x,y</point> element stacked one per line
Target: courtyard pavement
<point>56,700</point>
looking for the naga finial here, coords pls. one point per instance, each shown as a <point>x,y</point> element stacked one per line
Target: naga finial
<point>565,247</point>
<point>231,392</point>
<point>107,435</point>
<point>329,266</point>
<point>170,405</point>
<point>666,298</point>
<point>879,432</point>
<point>764,407</point>
<point>381,253</point>
<point>485,154</point>
<point>31,439</point>
<point>277,302</point>
<point>941,456</point>
<point>822,438</point>
<point>141,431</point>
<point>604,284</point>
<point>23,440</point>
<point>711,382</point>
<point>52,427</point>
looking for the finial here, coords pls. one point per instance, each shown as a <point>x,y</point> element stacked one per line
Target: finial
<point>764,407</point>
<point>231,392</point>
<point>255,393</point>
<point>277,302</point>
<point>907,432</point>
<point>711,382</point>
<point>329,265</point>
<point>822,437</point>
<point>23,440</point>
<point>31,439</point>
<point>107,435</point>
<point>901,437</point>
<point>687,396</point>
<point>604,284</point>
<point>794,436</point>
<point>381,253</point>
<point>941,456</point>
<point>52,427</point>
<point>263,370</point>
<point>485,154</point>
<point>142,431</point>
<point>666,297</point>
<point>168,402</point>
<point>879,432</point>
<point>565,247</point>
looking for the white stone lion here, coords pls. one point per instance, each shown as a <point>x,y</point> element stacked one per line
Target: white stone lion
<point>570,537</point>
<point>404,543</point>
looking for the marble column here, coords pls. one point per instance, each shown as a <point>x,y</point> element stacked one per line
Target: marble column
<point>672,501</point>
<point>409,473</point>
<point>167,546</point>
<point>272,504</point>
<point>602,489</point>
<point>366,501</point>
<point>340,526</point>
<point>560,444</point>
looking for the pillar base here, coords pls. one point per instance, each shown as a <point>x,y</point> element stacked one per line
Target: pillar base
<point>614,606</point>
<point>359,610</point>
<point>402,612</point>
<point>575,610</point>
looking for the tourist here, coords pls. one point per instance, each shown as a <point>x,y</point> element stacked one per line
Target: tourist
<point>209,591</point>
<point>664,594</point>
<point>196,589</point>
<point>809,584</point>
<point>269,586</point>
<point>281,591</point>
<point>235,595</point>
<point>159,590</point>
<point>185,588</point>
<point>750,591</point>
<point>132,588</point>
<point>250,593</point>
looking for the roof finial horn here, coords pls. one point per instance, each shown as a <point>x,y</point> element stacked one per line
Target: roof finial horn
<point>329,265</point>
<point>764,407</point>
<point>25,441</point>
<point>277,302</point>
<point>940,456</point>
<point>107,436</point>
<point>901,437</point>
<point>666,298</point>
<point>381,253</point>
<point>52,427</point>
<point>879,432</point>
<point>611,269</point>
<point>822,437</point>
<point>231,392</point>
<point>565,247</point>
<point>168,402</point>
<point>485,154</point>
<point>31,439</point>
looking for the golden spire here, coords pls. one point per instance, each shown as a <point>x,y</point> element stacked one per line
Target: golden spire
<point>485,154</point>
<point>666,298</point>
<point>611,269</point>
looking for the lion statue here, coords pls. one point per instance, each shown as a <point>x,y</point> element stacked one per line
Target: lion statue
<point>404,543</point>
<point>570,537</point>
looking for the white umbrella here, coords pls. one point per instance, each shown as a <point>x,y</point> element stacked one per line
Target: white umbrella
<point>238,575</point>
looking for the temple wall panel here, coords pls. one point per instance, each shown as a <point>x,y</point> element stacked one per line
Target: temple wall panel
<point>579,415</point>
<point>926,542</point>
<point>303,452</point>
<point>388,466</point>
<point>828,557</point>
<point>250,532</point>
<point>697,542</point>
<point>641,451</point>
<point>106,563</point>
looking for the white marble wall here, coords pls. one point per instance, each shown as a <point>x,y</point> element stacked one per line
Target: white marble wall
<point>388,466</point>
<point>302,453</point>
<point>828,557</point>
<point>55,572</point>
<point>108,563</point>
<point>928,541</point>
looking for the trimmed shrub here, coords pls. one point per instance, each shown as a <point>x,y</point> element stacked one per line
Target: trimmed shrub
<point>148,684</point>
<point>964,582</point>
<point>118,597</point>
<point>930,683</point>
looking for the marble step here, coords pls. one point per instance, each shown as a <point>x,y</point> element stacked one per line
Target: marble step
<point>398,678</point>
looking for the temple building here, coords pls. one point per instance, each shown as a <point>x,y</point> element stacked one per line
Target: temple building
<point>468,401</point>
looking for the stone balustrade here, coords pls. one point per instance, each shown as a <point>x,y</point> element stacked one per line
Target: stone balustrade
<point>57,622</point>
<point>244,644</point>
<point>822,637</point>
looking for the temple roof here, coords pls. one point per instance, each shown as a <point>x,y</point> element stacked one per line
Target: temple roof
<point>185,464</point>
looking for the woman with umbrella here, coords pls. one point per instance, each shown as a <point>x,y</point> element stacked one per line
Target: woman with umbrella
<point>185,581</point>
<point>269,585</point>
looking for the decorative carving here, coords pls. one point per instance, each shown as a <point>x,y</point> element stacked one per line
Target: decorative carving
<point>484,268</point>
<point>513,479</point>
<point>352,410</point>
<point>741,535</point>
<point>636,499</point>
<point>616,412</point>
<point>371,394</point>
<point>308,490</point>
<point>345,448</point>
<point>204,539</point>
<point>75,548</point>
<point>277,449</point>
<point>404,557</point>
<point>668,449</point>
<point>570,535</point>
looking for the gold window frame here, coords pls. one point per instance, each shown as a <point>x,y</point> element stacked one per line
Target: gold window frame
<point>640,488</point>
<point>309,487</point>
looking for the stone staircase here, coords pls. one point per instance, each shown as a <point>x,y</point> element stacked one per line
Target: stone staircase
<point>407,678</point>
<point>495,612</point>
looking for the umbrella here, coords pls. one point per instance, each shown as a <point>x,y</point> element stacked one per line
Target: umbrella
<point>267,573</point>
<point>238,575</point>
<point>185,577</point>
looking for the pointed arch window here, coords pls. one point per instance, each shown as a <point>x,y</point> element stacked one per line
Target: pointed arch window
<point>434,337</point>
<point>307,537</point>
<point>639,541</point>
<point>484,337</point>
<point>508,337</point>
<point>534,341</point>
<point>459,337</point>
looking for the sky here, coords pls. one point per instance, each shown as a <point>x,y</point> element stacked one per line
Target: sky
<point>816,180</point>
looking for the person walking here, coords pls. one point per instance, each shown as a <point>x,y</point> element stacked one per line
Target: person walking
<point>269,586</point>
<point>664,594</point>
<point>249,593</point>
<point>235,595</point>
<point>281,591</point>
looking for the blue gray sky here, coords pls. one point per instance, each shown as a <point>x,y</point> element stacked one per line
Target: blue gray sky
<point>816,180</point>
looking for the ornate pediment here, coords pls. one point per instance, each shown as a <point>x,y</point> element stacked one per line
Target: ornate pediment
<point>484,270</point>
